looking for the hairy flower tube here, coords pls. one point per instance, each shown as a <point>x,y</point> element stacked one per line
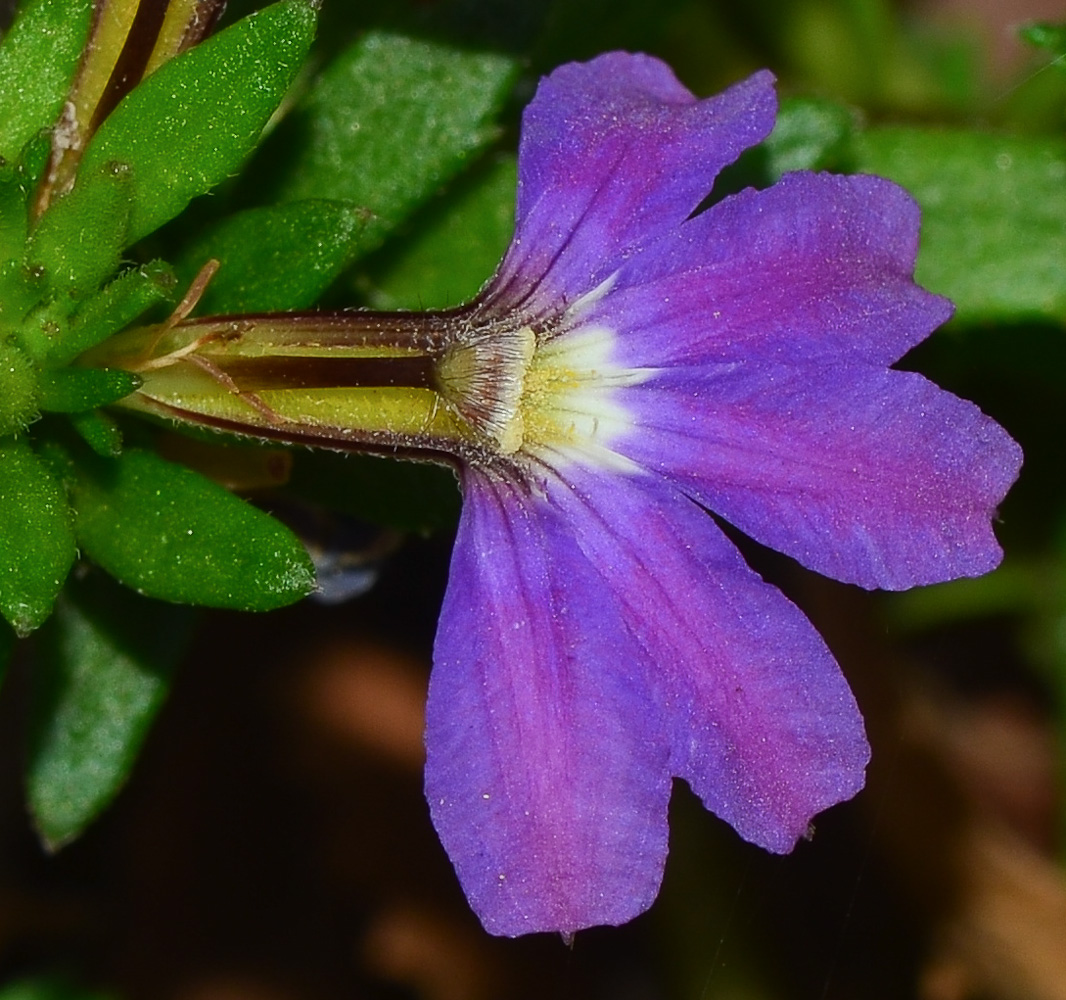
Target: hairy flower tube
<point>630,366</point>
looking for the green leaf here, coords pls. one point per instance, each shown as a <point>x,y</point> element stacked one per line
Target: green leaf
<point>169,533</point>
<point>99,431</point>
<point>455,250</point>
<point>811,133</point>
<point>109,311</point>
<point>79,239</point>
<point>275,258</point>
<point>389,121</point>
<point>104,667</point>
<point>19,389</point>
<point>1051,37</point>
<point>36,538</point>
<point>191,123</point>
<point>37,61</point>
<point>993,216</point>
<point>12,212</point>
<point>74,390</point>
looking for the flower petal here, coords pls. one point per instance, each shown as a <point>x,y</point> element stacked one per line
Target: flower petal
<point>546,769</point>
<point>614,153</point>
<point>815,268</point>
<point>761,721</point>
<point>874,477</point>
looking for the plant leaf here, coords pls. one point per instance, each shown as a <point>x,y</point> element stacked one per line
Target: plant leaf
<point>110,310</point>
<point>75,390</point>
<point>36,540</point>
<point>170,533</point>
<point>388,122</point>
<point>455,250</point>
<point>36,537</point>
<point>37,61</point>
<point>79,239</point>
<point>104,667</point>
<point>993,238</point>
<point>191,123</point>
<point>274,258</point>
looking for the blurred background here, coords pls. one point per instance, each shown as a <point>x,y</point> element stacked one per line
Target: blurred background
<point>273,842</point>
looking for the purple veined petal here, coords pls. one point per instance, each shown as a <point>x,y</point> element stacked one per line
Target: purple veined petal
<point>547,768</point>
<point>871,476</point>
<point>762,723</point>
<point>614,153</point>
<point>817,268</point>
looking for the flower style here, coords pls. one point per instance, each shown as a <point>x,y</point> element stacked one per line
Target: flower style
<point>630,364</point>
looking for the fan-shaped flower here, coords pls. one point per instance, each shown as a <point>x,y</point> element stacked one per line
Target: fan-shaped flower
<point>630,364</point>
<point>600,634</point>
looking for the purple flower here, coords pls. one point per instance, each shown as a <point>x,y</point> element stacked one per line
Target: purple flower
<point>629,365</point>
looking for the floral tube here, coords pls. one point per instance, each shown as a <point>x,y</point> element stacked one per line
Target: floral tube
<point>628,365</point>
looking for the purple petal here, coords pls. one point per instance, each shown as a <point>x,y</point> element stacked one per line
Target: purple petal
<point>815,268</point>
<point>547,769</point>
<point>614,153</point>
<point>874,477</point>
<point>761,721</point>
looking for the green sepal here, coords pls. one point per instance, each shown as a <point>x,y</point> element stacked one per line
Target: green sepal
<point>280,257</point>
<point>103,667</point>
<point>36,537</point>
<point>168,532</point>
<point>37,61</point>
<point>993,239</point>
<point>99,431</point>
<point>78,241</point>
<point>113,308</point>
<point>75,390</point>
<point>191,123</point>
<point>388,122</point>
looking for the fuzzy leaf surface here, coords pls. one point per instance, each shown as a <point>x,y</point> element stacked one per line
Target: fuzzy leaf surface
<point>36,537</point>
<point>169,533</point>
<point>37,60</point>
<point>275,258</point>
<point>192,122</point>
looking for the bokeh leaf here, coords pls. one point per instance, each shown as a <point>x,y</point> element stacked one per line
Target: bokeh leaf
<point>388,122</point>
<point>170,533</point>
<point>103,669</point>
<point>191,123</point>
<point>36,537</point>
<point>993,238</point>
